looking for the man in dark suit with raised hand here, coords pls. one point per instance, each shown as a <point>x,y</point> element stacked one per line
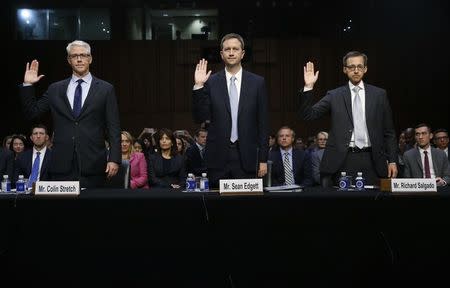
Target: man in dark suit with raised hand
<point>84,110</point>
<point>362,136</point>
<point>235,102</point>
<point>426,161</point>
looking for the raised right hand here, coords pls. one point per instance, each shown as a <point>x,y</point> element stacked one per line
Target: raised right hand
<point>309,75</point>
<point>200,75</point>
<point>31,73</point>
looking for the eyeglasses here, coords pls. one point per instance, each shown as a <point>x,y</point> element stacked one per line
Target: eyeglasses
<point>353,67</point>
<point>441,138</point>
<point>82,56</point>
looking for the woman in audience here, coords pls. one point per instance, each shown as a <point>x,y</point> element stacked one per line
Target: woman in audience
<point>166,167</point>
<point>138,164</point>
<point>181,145</point>
<point>7,141</point>
<point>148,147</point>
<point>17,144</point>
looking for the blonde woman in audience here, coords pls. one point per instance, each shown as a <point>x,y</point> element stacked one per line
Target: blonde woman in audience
<point>138,164</point>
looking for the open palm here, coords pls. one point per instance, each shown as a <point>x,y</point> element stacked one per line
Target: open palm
<point>31,73</point>
<point>200,75</point>
<point>309,76</point>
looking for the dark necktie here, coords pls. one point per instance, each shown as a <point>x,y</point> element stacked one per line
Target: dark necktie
<point>77,99</point>
<point>288,174</point>
<point>35,169</point>
<point>426,165</point>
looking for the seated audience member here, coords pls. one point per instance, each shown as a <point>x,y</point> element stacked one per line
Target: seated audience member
<point>316,155</point>
<point>426,161</point>
<point>409,139</point>
<point>5,155</point>
<point>400,151</point>
<point>17,144</point>
<point>440,138</point>
<point>288,163</point>
<point>7,141</point>
<point>195,154</point>
<point>299,144</point>
<point>33,164</point>
<point>149,145</point>
<point>272,141</point>
<point>166,167</point>
<point>138,164</point>
<point>181,145</point>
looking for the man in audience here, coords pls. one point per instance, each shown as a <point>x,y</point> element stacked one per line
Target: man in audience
<point>426,161</point>
<point>288,163</point>
<point>440,138</point>
<point>316,156</point>
<point>33,163</point>
<point>195,154</point>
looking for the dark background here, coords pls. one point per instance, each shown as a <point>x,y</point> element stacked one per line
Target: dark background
<point>404,40</point>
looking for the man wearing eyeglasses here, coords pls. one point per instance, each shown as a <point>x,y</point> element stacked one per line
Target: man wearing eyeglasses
<point>362,136</point>
<point>441,141</point>
<point>84,110</point>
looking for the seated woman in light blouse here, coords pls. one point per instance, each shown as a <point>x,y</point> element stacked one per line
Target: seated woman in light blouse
<point>138,164</point>
<point>166,167</point>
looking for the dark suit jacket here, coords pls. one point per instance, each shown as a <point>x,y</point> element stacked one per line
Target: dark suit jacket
<point>24,162</point>
<point>379,122</point>
<point>414,167</point>
<point>301,174</point>
<point>156,175</point>
<point>84,135</point>
<point>5,162</point>
<point>212,103</point>
<point>194,161</point>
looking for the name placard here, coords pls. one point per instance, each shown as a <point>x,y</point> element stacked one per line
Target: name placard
<point>421,185</point>
<point>241,187</point>
<point>57,188</point>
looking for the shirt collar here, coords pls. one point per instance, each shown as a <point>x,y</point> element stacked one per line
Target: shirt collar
<point>238,75</point>
<point>289,151</point>
<point>360,85</point>
<point>87,78</point>
<point>42,150</point>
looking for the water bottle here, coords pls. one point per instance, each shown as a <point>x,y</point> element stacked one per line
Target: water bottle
<point>6,184</point>
<point>204,183</point>
<point>20,185</point>
<point>190,183</point>
<point>359,182</point>
<point>344,182</point>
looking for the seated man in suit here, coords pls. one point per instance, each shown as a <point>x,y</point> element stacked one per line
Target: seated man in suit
<point>419,164</point>
<point>288,163</point>
<point>5,155</point>
<point>440,138</point>
<point>316,156</point>
<point>195,160</point>
<point>33,163</point>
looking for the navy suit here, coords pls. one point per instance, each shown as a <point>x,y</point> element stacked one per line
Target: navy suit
<point>82,137</point>
<point>212,103</point>
<point>6,162</point>
<point>194,161</point>
<point>302,175</point>
<point>24,163</point>
<point>379,122</point>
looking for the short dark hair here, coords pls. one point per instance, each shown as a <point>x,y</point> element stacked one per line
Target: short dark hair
<point>42,126</point>
<point>197,132</point>
<point>165,131</point>
<point>232,36</point>
<point>423,125</point>
<point>440,130</point>
<point>354,54</point>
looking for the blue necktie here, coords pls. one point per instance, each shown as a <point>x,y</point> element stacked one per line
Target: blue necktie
<point>35,169</point>
<point>234,104</point>
<point>77,99</point>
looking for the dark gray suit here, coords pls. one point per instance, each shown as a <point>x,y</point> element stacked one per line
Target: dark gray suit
<point>83,136</point>
<point>414,167</point>
<point>378,119</point>
<point>212,103</point>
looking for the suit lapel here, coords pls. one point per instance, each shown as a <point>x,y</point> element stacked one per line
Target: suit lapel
<point>418,159</point>
<point>223,87</point>
<point>29,160</point>
<point>242,95</point>
<point>63,94</point>
<point>435,162</point>
<point>91,93</point>
<point>348,101</point>
<point>369,107</point>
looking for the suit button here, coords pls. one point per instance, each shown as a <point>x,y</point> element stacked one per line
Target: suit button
<point>76,123</point>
